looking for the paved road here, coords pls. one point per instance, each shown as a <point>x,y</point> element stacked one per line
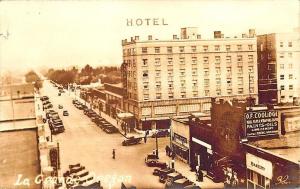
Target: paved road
<point>83,142</point>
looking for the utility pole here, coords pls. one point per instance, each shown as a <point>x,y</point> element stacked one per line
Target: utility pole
<point>156,141</point>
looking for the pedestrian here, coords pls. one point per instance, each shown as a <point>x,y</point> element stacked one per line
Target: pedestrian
<point>114,154</point>
<point>173,155</point>
<point>200,175</point>
<point>153,152</point>
<point>167,150</point>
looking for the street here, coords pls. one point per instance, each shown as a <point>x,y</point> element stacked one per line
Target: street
<point>83,142</point>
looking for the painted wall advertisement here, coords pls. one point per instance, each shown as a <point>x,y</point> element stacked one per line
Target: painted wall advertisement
<point>261,123</point>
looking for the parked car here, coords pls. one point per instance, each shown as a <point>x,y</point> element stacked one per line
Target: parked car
<point>103,123</point>
<point>156,163</point>
<point>131,141</point>
<point>192,186</point>
<point>159,172</point>
<point>65,113</point>
<point>56,129</point>
<point>111,129</point>
<point>170,177</point>
<point>179,183</point>
<point>59,94</point>
<point>161,133</point>
<point>94,117</point>
<point>43,98</point>
<point>150,157</point>
<point>60,106</point>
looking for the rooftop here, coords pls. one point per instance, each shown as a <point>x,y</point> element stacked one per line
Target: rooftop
<point>15,145</point>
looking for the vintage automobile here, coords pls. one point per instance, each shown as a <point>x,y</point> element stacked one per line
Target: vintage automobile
<point>59,94</point>
<point>150,157</point>
<point>65,113</point>
<point>60,106</point>
<point>156,163</point>
<point>170,177</point>
<point>161,133</point>
<point>131,141</point>
<point>43,98</point>
<point>56,129</point>
<point>111,129</point>
<point>192,186</point>
<point>104,124</point>
<point>179,183</point>
<point>159,172</point>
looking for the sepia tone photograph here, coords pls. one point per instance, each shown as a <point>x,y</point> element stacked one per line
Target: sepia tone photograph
<point>162,94</point>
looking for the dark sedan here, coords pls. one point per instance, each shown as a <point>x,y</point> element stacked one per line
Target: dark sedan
<point>131,141</point>
<point>159,172</point>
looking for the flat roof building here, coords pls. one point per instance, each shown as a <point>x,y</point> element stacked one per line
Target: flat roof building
<point>165,78</point>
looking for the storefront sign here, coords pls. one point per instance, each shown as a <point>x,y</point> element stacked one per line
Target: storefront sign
<point>259,165</point>
<point>261,123</point>
<point>180,138</point>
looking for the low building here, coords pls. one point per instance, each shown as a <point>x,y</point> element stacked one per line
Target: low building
<point>180,138</point>
<point>201,145</point>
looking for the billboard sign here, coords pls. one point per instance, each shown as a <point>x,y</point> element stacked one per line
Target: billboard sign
<point>261,123</point>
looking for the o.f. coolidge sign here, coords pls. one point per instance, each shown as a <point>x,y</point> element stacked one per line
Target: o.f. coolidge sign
<point>261,123</point>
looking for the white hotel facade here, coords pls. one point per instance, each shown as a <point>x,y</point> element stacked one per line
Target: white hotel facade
<point>166,78</point>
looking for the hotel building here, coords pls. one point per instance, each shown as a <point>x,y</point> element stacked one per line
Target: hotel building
<point>166,78</point>
<point>278,67</point>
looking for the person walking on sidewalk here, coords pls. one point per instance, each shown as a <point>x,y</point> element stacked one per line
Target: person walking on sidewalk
<point>114,154</point>
<point>167,150</point>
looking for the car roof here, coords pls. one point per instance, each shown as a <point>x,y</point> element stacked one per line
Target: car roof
<point>181,181</point>
<point>174,174</point>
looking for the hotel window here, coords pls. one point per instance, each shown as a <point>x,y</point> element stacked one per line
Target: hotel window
<point>290,55</point>
<point>239,47</point>
<point>250,69</point>
<point>205,48</point>
<point>217,47</point>
<point>145,62</point>
<point>218,81</point>
<point>240,81</point>
<point>146,96</point>
<point>145,73</point>
<point>144,49</point>
<point>229,91</point>
<point>250,47</point>
<point>281,44</point>
<point>170,85</point>
<point>282,97</point>
<point>228,82</point>
<point>239,58</point>
<point>170,61</point>
<point>218,70</point>
<point>206,71</point>
<point>181,49</point>
<point>194,60</point>
<point>170,72</point>
<point>290,76</point>
<point>240,90</point>
<point>228,70</point>
<point>157,61</point>
<point>194,72</point>
<point>158,85</point>
<point>281,77</point>
<point>228,59</point>
<point>251,90</point>
<point>250,58</point>
<point>217,59</point>
<point>290,66</point>
<point>218,91</point>
<point>182,60</point>
<point>169,49</point>
<point>282,87</point>
<point>240,69</point>
<point>171,95</point>
<point>183,95</point>
<point>158,96</point>
<point>205,60</point>
<point>157,50</point>
<point>291,87</point>
<point>206,82</point>
<point>133,63</point>
<point>290,44</point>
<point>206,93</point>
<point>157,73</point>
<point>182,73</point>
<point>281,66</point>
<point>227,47</point>
<point>281,55</point>
<point>194,48</point>
<point>195,93</point>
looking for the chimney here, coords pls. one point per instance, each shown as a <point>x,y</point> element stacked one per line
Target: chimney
<point>213,100</point>
<point>131,39</point>
<point>136,38</point>
<point>149,37</point>
<point>244,35</point>
<point>175,37</point>
<point>198,36</point>
<point>252,33</point>
<point>217,34</point>
<point>235,101</point>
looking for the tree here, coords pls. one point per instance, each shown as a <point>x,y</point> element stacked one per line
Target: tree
<point>32,77</point>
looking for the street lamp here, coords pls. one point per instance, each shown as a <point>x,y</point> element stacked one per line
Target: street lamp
<point>156,142</point>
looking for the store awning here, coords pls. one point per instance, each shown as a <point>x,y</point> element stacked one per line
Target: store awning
<point>125,115</point>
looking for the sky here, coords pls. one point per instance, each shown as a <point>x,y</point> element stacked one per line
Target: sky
<point>61,34</point>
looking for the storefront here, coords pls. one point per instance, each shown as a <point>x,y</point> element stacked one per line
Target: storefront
<point>201,154</point>
<point>180,147</point>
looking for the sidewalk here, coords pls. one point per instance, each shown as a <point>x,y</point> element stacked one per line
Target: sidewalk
<point>184,169</point>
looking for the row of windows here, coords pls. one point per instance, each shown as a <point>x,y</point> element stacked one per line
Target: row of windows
<point>204,48</point>
<point>158,95</point>
<point>282,66</point>
<point>289,44</point>
<point>291,87</point>
<point>281,55</point>
<point>217,60</point>
<point>282,76</point>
